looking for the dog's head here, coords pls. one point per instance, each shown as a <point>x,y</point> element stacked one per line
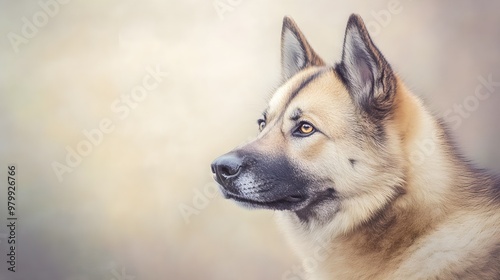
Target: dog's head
<point>325,141</point>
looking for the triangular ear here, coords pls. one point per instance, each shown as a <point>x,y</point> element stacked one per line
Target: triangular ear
<point>368,76</point>
<point>296,53</point>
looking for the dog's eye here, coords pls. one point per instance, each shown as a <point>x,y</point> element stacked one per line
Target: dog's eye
<point>262,124</point>
<point>304,129</point>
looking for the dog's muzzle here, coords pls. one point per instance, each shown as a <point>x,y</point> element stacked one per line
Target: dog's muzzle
<point>258,181</point>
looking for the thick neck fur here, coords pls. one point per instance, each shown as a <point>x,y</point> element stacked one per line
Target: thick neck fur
<point>437,185</point>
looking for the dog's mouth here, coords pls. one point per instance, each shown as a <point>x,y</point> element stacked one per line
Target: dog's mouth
<point>290,202</point>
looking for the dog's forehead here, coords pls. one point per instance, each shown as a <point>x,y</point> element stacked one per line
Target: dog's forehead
<point>314,80</point>
<point>326,92</point>
<point>283,94</point>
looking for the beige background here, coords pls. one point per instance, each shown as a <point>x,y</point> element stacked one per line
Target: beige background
<point>116,215</point>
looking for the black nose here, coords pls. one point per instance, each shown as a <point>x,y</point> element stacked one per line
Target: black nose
<point>226,167</point>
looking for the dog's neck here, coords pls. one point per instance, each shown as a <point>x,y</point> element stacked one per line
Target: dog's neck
<point>432,163</point>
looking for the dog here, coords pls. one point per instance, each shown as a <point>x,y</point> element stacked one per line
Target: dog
<point>366,179</point>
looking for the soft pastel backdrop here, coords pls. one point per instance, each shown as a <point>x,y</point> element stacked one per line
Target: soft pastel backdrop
<point>117,214</point>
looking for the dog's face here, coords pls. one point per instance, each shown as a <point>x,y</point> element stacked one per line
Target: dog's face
<point>324,140</point>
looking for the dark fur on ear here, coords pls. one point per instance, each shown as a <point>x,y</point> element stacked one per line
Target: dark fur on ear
<point>364,70</point>
<point>296,53</point>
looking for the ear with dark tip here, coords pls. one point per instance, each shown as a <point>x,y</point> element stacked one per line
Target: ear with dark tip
<point>368,76</point>
<point>296,53</point>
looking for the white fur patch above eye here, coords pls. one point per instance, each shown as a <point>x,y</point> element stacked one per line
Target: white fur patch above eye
<point>294,56</point>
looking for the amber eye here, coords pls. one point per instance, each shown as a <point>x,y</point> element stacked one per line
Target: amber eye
<point>304,129</point>
<point>262,124</point>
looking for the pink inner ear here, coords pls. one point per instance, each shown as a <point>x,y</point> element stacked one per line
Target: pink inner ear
<point>365,73</point>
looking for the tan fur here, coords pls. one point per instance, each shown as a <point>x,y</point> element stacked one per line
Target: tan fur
<point>377,191</point>
<point>439,228</point>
